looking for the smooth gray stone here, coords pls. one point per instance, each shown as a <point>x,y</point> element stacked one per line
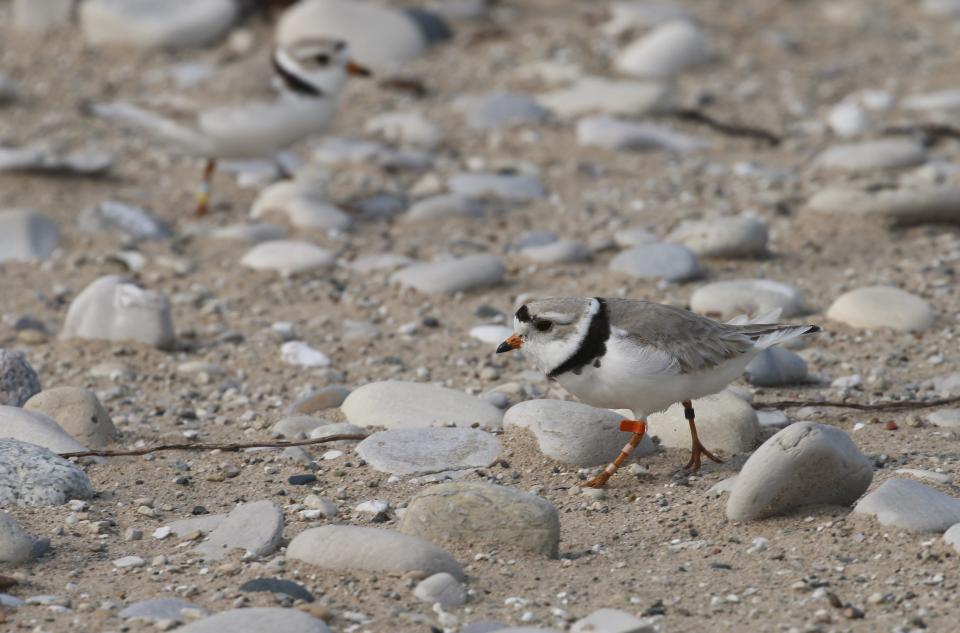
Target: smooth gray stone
<point>31,475</point>
<point>911,505</point>
<point>442,588</point>
<point>338,428</point>
<point>350,547</point>
<point>775,367</point>
<point>256,527</point>
<point>36,428</point>
<point>731,237</point>
<point>498,109</point>
<point>150,24</point>
<point>429,450</point>
<point>559,252</point>
<point>473,512</point>
<point>613,621</point>
<point>296,426</point>
<point>399,404</point>
<point>288,257</point>
<point>160,609</point>
<point>619,134</point>
<point>666,51</point>
<point>725,422</point>
<point>325,398</point>
<point>111,308</point>
<point>574,433</point>
<point>204,523</point>
<point>872,155</point>
<point>258,620</point>
<point>407,128</point>
<point>447,205</point>
<point>952,536</point>
<point>670,262</point>
<point>78,412</point>
<point>278,585</point>
<point>733,297</point>
<point>804,464</point>
<point>16,546</point>
<point>882,307</point>
<point>947,384</point>
<point>454,275</point>
<point>507,187</point>
<point>18,381</point>
<point>602,95</point>
<point>949,418</point>
<point>127,219</point>
<point>27,235</point>
<point>905,207</point>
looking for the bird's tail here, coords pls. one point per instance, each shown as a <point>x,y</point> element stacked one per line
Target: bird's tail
<point>167,130</point>
<point>765,336</point>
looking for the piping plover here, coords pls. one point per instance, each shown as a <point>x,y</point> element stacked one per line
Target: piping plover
<point>308,76</point>
<point>638,355</point>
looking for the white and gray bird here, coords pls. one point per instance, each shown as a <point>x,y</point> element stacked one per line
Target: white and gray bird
<point>639,355</point>
<point>308,78</point>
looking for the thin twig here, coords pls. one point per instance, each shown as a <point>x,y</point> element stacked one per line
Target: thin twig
<point>730,129</point>
<point>935,132</point>
<point>891,405</point>
<point>211,447</point>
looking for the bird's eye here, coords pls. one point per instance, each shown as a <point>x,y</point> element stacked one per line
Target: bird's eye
<point>543,325</point>
<point>323,59</point>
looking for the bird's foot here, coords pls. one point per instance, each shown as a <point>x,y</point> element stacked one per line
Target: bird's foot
<point>696,452</point>
<point>598,482</point>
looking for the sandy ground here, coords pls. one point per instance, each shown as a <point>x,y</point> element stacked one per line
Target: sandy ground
<point>656,543</point>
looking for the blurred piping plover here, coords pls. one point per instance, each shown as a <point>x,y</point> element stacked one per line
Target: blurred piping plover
<point>638,355</point>
<point>309,76</point>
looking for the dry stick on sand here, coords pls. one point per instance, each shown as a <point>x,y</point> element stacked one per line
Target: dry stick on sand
<point>893,405</point>
<point>210,447</point>
<point>934,132</point>
<point>728,129</point>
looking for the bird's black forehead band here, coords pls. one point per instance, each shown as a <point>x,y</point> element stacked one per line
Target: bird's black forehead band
<point>523,315</point>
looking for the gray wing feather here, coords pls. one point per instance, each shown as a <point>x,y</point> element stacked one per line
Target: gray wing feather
<point>697,343</point>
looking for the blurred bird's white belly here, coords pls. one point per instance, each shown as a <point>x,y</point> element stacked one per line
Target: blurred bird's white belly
<point>646,380</point>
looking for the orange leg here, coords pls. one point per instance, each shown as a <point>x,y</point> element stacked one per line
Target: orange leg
<point>203,198</point>
<point>638,428</point>
<point>698,448</point>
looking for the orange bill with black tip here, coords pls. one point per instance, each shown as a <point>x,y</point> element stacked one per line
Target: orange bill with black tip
<point>357,70</point>
<point>510,344</point>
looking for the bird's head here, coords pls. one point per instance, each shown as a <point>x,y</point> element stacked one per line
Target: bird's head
<point>550,330</point>
<point>315,67</point>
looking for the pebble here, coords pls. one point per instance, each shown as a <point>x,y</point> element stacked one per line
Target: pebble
<point>36,428</point>
<point>27,235</point>
<point>753,297</point>
<point>772,419</point>
<point>670,262</point>
<point>620,134</point>
<point>441,588</point>
<point>127,219</point>
<point>31,475</point>
<point>411,128</point>
<point>481,513</point>
<point>613,621</point>
<point>732,237</point>
<point>340,428</point>
<point>161,609</point>
<point>776,367</point>
<point>52,159</point>
<point>257,620</point>
<point>326,507</point>
<point>399,404</point>
<point>288,257</point>
<point>929,475</point>
<point>379,36</point>
<point>447,205</point>
<point>601,95</point>
<point>500,109</point>
<point>414,451</point>
<point>804,464</point>
<point>725,423</point>
<point>848,119</point>
<point>505,187</point>
<point>945,384</point>
<point>355,548</point>
<point>253,233</point>
<point>882,307</point>
<point>872,155</point>
<point>452,275</point>
<point>18,381</point>
<point>952,536</point>
<point>380,261</point>
<point>491,334</point>
<point>926,205</point>
<point>16,546</point>
<point>296,426</point>
<point>574,433</point>
<point>112,308</point>
<point>948,418</point>
<point>302,203</point>
<point>255,527</point>
<point>666,51</point>
<point>78,412</point>
<point>558,252</point>
<point>911,505</point>
<point>943,102</point>
<point>296,591</point>
<point>129,562</point>
<point>302,355</point>
<point>147,24</point>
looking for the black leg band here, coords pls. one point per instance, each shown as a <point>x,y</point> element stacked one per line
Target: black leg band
<point>688,413</point>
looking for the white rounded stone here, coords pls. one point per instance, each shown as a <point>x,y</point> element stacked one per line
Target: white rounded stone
<point>255,527</point>
<point>303,204</point>
<point>111,308</point>
<point>559,252</point>
<point>257,620</point>
<point>934,204</point>
<point>447,205</point>
<point>354,548</point>
<point>619,134</point>
<point>942,102</point>
<point>911,505</point>
<point>670,262</point>
<point>441,588</point>
<point>737,236</point>
<point>156,23</point>
<point>848,119</point>
<point>500,109</point>
<point>601,95</point>
<point>36,428</point>
<point>949,418</point>
<point>288,257</point>
<point>254,232</point>
<point>873,155</point>
<point>952,536</point>
<point>506,187</point>
<point>27,235</point>
<point>454,275</point>
<point>882,307</point>
<point>415,451</point>
<point>666,51</point>
<point>776,367</point>
<point>724,421</point>
<point>396,404</point>
<point>727,299</point>
<point>574,433</point>
<point>804,464</point>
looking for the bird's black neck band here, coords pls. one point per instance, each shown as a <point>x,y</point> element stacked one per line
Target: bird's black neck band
<point>294,83</point>
<point>593,345</point>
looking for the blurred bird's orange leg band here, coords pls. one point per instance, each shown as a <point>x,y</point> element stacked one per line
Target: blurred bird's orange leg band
<point>638,428</point>
<point>203,198</point>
